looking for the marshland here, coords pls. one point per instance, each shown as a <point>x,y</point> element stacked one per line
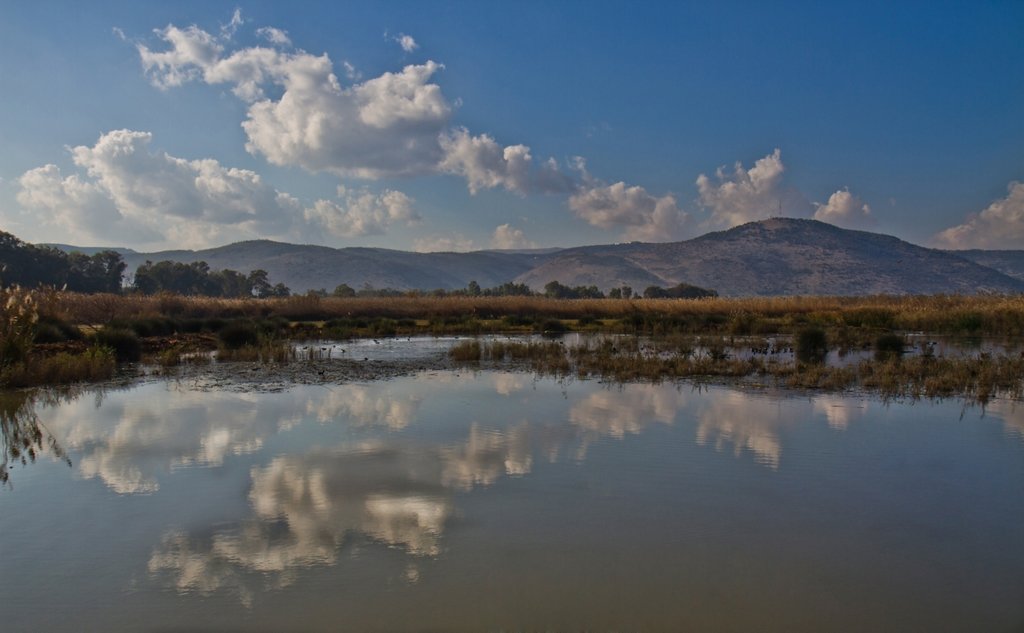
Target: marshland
<point>899,346</point>
<point>421,462</point>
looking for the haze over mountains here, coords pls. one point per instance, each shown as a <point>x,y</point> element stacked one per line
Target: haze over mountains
<point>779,256</point>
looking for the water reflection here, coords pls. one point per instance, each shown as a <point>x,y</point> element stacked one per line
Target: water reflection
<point>1012,415</point>
<point>305,507</point>
<point>316,477</point>
<point>22,436</point>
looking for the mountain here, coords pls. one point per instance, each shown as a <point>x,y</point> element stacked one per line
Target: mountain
<point>306,267</point>
<point>1007,262</point>
<point>780,256</point>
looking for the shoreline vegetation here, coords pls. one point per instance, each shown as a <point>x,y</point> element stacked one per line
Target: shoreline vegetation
<point>50,337</point>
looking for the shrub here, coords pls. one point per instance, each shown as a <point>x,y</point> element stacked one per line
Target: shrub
<point>53,330</point>
<point>124,343</point>
<point>552,326</point>
<point>811,345</point>
<point>888,346</point>
<point>466,351</point>
<point>238,334</point>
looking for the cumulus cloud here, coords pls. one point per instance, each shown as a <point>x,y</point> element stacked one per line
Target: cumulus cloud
<point>385,126</point>
<point>72,204</point>
<point>130,192</point>
<point>1000,225</point>
<point>361,212</point>
<point>619,206</point>
<point>274,36</point>
<point>506,236</point>
<point>486,165</point>
<point>455,243</point>
<point>407,42</point>
<point>746,195</point>
<point>844,209</point>
<point>191,50</point>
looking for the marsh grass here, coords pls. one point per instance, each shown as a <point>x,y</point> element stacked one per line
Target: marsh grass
<point>94,364</point>
<point>976,379</point>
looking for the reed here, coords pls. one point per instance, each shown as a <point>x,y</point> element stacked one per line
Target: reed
<point>976,379</point>
<point>952,314</point>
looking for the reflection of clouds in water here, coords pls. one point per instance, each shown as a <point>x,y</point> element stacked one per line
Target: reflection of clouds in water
<point>630,409</point>
<point>129,441</point>
<point>1011,413</point>
<point>745,422</point>
<point>366,405</point>
<point>839,411</point>
<point>509,383</point>
<point>486,455</point>
<point>304,508</point>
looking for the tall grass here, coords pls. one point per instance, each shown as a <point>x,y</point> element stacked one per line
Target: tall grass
<point>953,314</point>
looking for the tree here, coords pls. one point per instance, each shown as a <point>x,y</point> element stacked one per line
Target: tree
<point>259,283</point>
<point>344,290</point>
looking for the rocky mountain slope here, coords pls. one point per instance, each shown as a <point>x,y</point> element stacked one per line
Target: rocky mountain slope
<point>780,256</point>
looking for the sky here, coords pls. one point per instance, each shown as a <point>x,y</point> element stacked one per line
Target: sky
<point>473,125</point>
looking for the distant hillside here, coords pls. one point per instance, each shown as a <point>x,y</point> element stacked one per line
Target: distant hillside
<point>780,256</point>
<point>1007,262</point>
<point>305,267</point>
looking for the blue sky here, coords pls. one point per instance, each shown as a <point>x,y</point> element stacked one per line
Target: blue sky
<point>455,126</point>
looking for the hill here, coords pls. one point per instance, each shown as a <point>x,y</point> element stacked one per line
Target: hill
<point>780,256</point>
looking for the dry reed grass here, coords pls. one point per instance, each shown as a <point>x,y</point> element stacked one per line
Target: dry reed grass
<point>991,314</point>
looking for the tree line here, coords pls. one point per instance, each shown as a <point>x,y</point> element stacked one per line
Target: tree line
<point>30,266</point>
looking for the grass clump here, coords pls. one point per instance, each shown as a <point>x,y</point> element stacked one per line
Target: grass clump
<point>889,347</point>
<point>811,345</point>
<point>466,351</point>
<point>237,335</point>
<point>124,343</point>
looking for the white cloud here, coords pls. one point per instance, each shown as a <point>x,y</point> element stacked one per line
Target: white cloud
<point>274,36</point>
<point>407,42</point>
<point>385,126</point>
<point>506,236</point>
<point>486,165</point>
<point>362,213</point>
<point>455,243</point>
<point>749,195</point>
<point>71,207</point>
<point>192,50</point>
<point>130,192</point>
<point>1000,225</point>
<point>643,216</point>
<point>844,209</point>
<point>227,31</point>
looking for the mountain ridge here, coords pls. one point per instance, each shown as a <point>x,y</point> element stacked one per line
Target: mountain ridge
<point>778,256</point>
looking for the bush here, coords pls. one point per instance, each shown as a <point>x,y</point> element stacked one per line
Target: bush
<point>888,346</point>
<point>552,326</point>
<point>811,345</point>
<point>53,330</point>
<point>124,343</point>
<point>466,351</point>
<point>238,334</point>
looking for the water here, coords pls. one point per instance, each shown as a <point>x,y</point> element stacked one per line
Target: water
<point>497,501</point>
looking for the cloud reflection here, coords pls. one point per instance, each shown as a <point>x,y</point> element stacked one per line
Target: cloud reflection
<point>305,507</point>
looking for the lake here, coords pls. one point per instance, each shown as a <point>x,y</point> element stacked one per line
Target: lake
<point>498,501</point>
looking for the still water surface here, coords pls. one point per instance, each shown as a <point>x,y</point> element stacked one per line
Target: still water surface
<point>496,501</point>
